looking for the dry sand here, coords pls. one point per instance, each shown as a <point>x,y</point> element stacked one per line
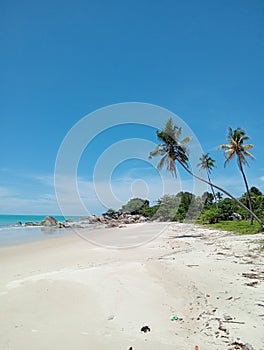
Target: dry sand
<point>66,293</point>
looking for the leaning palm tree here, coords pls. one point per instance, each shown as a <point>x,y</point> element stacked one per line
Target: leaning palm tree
<point>207,164</point>
<point>173,150</point>
<point>237,148</point>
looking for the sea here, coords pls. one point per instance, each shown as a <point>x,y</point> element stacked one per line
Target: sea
<point>13,230</point>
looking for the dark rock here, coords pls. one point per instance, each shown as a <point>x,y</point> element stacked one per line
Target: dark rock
<point>96,219</point>
<point>30,223</point>
<point>112,224</point>
<point>62,225</point>
<point>49,221</point>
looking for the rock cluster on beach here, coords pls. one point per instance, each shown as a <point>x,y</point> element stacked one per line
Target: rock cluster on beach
<point>49,221</point>
<point>117,219</point>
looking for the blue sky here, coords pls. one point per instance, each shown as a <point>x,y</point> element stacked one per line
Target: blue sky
<point>62,60</point>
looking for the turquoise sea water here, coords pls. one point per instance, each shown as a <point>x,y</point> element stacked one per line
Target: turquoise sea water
<point>11,220</point>
<point>12,234</point>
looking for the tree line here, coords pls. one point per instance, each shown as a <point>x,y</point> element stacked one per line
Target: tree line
<point>210,207</point>
<point>174,151</point>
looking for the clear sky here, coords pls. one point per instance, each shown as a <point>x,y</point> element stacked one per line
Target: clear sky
<point>62,60</point>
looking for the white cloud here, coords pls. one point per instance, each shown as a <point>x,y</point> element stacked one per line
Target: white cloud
<point>44,205</point>
<point>114,194</point>
<point>77,196</point>
<point>5,191</point>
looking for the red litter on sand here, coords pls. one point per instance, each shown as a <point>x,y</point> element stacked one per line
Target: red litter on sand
<point>196,347</point>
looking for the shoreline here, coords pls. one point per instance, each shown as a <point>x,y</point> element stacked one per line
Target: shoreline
<point>17,235</point>
<point>21,233</point>
<point>67,292</point>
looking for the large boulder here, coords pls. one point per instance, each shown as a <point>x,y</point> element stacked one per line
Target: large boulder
<point>113,223</point>
<point>49,221</point>
<point>30,223</point>
<point>96,219</point>
<point>236,216</point>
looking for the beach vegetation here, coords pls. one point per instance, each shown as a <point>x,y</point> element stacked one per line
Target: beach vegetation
<point>179,207</point>
<point>135,206</point>
<point>150,211</point>
<point>211,216</point>
<point>110,212</point>
<point>173,151</point>
<point>208,198</point>
<point>240,226</point>
<point>186,207</point>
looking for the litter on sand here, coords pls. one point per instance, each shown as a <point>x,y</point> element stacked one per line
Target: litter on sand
<point>174,318</point>
<point>145,329</point>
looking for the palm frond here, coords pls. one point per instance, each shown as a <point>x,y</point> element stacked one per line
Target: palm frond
<point>155,152</point>
<point>169,162</point>
<point>178,134</point>
<point>229,154</point>
<point>162,162</point>
<point>169,129</point>
<point>248,146</point>
<point>243,159</point>
<point>230,132</point>
<point>249,154</point>
<point>186,140</point>
<point>172,167</point>
<point>245,138</point>
<point>224,145</point>
<point>233,142</point>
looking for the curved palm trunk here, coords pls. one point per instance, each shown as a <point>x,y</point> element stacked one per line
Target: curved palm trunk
<point>212,189</point>
<point>227,193</point>
<point>247,189</point>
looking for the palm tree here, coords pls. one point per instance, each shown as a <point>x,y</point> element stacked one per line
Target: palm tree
<point>236,147</point>
<point>207,164</point>
<point>172,150</point>
<point>219,196</point>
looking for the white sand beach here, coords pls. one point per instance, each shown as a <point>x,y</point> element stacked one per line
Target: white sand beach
<point>66,293</point>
